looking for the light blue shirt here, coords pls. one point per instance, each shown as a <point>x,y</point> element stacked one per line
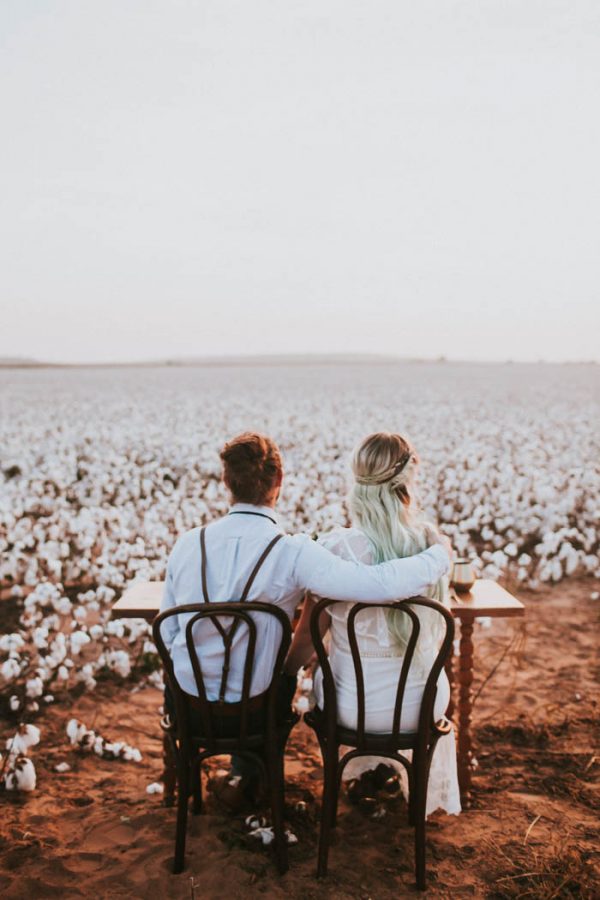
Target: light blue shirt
<point>296,564</point>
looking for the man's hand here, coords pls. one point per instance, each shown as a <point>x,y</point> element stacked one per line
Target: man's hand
<point>435,537</point>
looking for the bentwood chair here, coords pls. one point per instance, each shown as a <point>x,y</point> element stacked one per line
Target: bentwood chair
<point>249,728</point>
<point>422,742</point>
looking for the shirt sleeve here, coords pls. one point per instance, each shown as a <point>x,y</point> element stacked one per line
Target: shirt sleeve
<point>325,574</point>
<point>169,628</point>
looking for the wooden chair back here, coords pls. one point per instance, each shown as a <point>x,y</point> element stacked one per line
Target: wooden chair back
<point>406,607</point>
<point>226,618</point>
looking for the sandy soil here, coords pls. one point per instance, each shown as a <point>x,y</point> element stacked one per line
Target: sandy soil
<point>532,830</point>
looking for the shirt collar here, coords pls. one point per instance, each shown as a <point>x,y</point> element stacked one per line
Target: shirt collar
<point>250,508</point>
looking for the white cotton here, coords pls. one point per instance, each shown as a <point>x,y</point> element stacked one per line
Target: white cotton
<point>14,703</point>
<point>96,632</point>
<point>155,788</point>
<point>62,673</point>
<point>78,640</point>
<point>9,669</point>
<point>265,834</point>
<point>62,767</point>
<point>22,777</point>
<point>75,730</point>
<point>63,606</point>
<point>118,661</point>
<point>30,735</point>
<point>10,642</point>
<point>34,687</point>
<point>302,705</point>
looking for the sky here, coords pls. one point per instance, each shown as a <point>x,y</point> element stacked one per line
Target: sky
<point>202,178</point>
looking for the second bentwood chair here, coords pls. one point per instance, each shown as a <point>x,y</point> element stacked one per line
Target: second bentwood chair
<point>421,743</point>
<point>248,728</point>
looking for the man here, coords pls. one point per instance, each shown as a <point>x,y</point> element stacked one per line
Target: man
<point>253,474</point>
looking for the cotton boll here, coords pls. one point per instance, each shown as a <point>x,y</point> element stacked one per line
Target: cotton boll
<point>30,736</point>
<point>22,777</point>
<point>155,788</point>
<point>78,640</point>
<point>10,669</point>
<point>75,730</point>
<point>34,687</point>
<point>302,705</point>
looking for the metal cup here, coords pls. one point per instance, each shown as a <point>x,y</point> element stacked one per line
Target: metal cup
<point>463,575</point>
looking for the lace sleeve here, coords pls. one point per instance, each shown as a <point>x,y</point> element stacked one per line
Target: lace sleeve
<point>349,543</point>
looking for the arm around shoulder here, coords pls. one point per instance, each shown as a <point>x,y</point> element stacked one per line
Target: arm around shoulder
<point>327,575</point>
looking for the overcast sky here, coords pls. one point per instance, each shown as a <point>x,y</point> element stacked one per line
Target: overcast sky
<point>194,178</point>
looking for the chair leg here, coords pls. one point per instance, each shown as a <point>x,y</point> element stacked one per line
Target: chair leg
<point>327,807</point>
<point>336,796</point>
<point>197,788</point>
<point>183,795</point>
<point>412,794</point>
<point>275,773</point>
<point>420,802</point>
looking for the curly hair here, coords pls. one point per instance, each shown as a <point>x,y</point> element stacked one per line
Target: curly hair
<point>252,467</point>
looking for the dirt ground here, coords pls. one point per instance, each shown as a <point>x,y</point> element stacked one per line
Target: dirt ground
<point>532,830</point>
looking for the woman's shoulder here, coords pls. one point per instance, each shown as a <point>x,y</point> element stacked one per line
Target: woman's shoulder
<point>349,543</point>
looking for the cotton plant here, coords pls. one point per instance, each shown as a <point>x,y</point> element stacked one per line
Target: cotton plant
<point>509,470</point>
<point>17,771</point>
<point>87,740</point>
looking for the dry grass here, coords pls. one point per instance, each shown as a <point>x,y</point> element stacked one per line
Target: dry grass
<point>557,871</point>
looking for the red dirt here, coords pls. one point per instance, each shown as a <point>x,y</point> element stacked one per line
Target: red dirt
<point>532,830</point>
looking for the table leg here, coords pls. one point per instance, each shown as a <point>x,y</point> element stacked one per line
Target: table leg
<point>450,673</point>
<point>465,678</point>
<point>169,774</point>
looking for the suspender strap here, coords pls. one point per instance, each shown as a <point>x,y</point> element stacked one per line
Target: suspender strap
<point>228,635</point>
<point>258,567</point>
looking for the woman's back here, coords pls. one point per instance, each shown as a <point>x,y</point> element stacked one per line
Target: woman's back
<point>375,639</point>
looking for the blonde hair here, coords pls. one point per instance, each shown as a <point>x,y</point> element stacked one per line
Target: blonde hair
<point>383,505</point>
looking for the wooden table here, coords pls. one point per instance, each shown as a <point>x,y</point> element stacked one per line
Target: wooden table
<point>486,599</point>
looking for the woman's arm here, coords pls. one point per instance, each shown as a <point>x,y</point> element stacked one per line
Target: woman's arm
<point>302,650</point>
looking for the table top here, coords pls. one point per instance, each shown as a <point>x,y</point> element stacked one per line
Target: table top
<point>486,598</point>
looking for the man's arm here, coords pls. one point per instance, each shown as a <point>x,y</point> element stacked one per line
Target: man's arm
<point>327,575</point>
<point>302,650</point>
<point>169,628</point>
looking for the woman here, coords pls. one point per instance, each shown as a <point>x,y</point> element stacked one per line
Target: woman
<point>387,524</point>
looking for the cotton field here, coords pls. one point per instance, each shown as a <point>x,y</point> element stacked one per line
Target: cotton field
<point>102,469</point>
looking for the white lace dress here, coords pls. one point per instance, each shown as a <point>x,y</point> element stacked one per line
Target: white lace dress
<point>381,658</point>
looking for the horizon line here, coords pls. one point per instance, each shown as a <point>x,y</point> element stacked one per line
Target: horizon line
<point>276,359</point>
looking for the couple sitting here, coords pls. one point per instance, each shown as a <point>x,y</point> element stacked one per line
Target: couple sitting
<point>390,554</point>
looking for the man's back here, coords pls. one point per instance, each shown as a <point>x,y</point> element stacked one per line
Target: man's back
<point>233,546</point>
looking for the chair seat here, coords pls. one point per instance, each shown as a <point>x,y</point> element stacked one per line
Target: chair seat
<point>373,741</point>
<point>228,745</point>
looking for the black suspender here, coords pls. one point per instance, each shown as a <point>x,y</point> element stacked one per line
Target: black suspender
<point>228,634</point>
